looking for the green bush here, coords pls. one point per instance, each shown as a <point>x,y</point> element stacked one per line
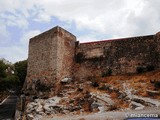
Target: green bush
<point>21,70</point>
<point>107,73</point>
<point>3,67</point>
<point>42,87</point>
<point>140,69</point>
<point>157,84</point>
<point>9,82</point>
<point>79,57</point>
<point>8,79</point>
<point>150,68</point>
<point>94,81</point>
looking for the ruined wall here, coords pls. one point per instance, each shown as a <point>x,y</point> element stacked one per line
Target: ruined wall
<point>55,54</point>
<point>51,57</point>
<point>121,55</point>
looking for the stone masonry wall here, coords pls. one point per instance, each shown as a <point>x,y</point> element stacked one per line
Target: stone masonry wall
<point>65,55</point>
<point>42,58</point>
<point>51,58</point>
<point>55,54</point>
<point>121,55</point>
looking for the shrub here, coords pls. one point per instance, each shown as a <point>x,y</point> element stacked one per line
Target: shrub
<point>95,81</point>
<point>140,69</point>
<point>42,87</point>
<point>21,70</point>
<point>107,73</point>
<point>157,84</point>
<point>3,67</point>
<point>10,82</point>
<point>95,84</point>
<point>79,57</point>
<point>150,68</point>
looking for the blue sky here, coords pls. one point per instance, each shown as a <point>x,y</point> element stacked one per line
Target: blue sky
<point>89,20</point>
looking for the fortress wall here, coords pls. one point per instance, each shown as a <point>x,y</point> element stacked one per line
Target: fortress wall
<point>55,54</point>
<point>42,57</point>
<point>157,38</point>
<point>121,55</point>
<point>51,57</point>
<point>65,54</point>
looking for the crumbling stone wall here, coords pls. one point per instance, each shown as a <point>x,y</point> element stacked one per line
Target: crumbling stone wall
<point>121,55</point>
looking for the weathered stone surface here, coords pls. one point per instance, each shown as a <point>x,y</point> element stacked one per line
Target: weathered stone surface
<point>136,106</point>
<point>103,109</point>
<point>51,57</point>
<point>30,116</point>
<point>151,92</point>
<point>54,54</point>
<point>104,87</point>
<point>146,101</point>
<point>122,95</point>
<point>41,107</point>
<point>95,106</point>
<point>66,80</point>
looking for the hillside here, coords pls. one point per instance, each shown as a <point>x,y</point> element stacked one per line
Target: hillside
<point>99,95</point>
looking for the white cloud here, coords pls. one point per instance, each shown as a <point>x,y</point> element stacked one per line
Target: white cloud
<point>106,18</point>
<point>84,38</point>
<point>13,53</point>
<point>19,51</point>
<point>28,35</point>
<point>115,18</point>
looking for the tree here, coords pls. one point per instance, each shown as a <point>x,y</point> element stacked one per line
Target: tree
<point>21,70</point>
<point>8,80</point>
<point>3,67</point>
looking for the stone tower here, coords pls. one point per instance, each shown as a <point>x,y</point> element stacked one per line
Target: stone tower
<point>51,57</point>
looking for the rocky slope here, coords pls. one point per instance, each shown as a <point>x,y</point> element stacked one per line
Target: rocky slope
<point>99,95</point>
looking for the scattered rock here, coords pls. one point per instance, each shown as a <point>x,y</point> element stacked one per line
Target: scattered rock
<point>66,112</point>
<point>37,117</point>
<point>66,80</point>
<point>42,107</point>
<point>150,92</point>
<point>102,109</point>
<point>94,106</point>
<point>80,87</point>
<point>39,108</point>
<point>106,99</point>
<point>30,116</point>
<point>122,95</point>
<point>104,87</point>
<point>136,106</point>
<point>146,101</point>
<point>47,109</point>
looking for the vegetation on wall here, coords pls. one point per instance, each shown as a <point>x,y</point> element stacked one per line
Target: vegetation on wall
<point>107,73</point>
<point>141,69</point>
<point>79,57</point>
<point>150,67</point>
